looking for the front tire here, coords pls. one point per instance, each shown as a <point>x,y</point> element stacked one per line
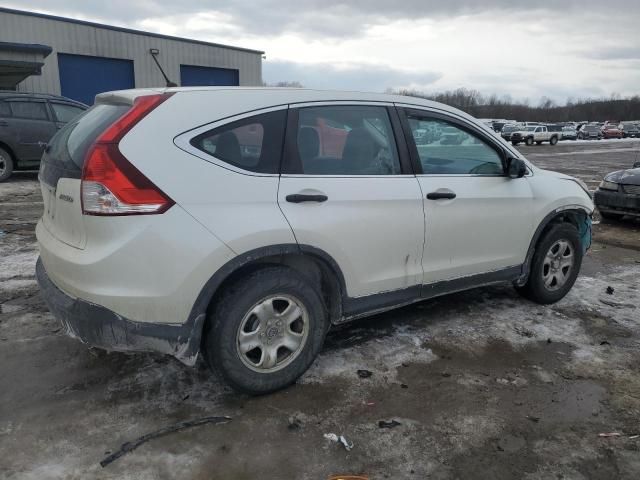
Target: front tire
<point>6,165</point>
<point>266,330</point>
<point>529,141</point>
<point>555,265</point>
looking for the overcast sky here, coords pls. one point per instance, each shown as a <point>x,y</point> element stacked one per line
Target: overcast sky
<point>531,49</point>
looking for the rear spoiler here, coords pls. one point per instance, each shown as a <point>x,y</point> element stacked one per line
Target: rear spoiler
<point>125,97</point>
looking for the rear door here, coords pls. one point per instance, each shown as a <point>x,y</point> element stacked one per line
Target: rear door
<point>478,220</point>
<point>31,126</point>
<point>347,189</point>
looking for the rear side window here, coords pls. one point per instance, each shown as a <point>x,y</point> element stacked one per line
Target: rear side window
<point>65,113</point>
<point>5,110</point>
<point>30,110</point>
<point>253,143</point>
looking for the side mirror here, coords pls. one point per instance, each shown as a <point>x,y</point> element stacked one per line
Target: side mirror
<point>636,165</point>
<point>516,168</point>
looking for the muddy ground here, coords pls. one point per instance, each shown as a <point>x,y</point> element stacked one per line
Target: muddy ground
<point>483,383</point>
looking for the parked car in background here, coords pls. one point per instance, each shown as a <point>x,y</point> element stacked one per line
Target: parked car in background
<point>508,129</point>
<point>569,133</point>
<point>611,130</point>
<point>629,130</point>
<point>619,194</point>
<point>535,134</point>
<point>589,131</point>
<point>27,123</point>
<point>555,128</point>
<point>451,136</point>
<point>249,256</point>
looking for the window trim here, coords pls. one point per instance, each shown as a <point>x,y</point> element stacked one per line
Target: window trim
<point>291,165</point>
<point>405,112</point>
<point>183,140</point>
<point>29,100</point>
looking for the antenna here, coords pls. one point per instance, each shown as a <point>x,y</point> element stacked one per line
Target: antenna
<point>154,53</point>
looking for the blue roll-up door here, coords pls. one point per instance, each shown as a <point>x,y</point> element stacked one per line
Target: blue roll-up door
<point>83,77</point>
<point>194,76</point>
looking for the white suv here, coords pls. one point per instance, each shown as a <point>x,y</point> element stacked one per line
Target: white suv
<point>242,223</point>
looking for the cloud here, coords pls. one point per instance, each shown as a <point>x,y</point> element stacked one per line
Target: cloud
<point>334,18</point>
<point>352,76</point>
<point>508,47</point>
<point>613,53</point>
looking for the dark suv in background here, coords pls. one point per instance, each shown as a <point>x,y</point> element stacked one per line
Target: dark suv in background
<point>27,123</point>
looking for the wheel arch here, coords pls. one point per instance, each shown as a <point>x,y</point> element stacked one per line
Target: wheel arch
<point>5,146</point>
<point>576,215</point>
<point>314,264</point>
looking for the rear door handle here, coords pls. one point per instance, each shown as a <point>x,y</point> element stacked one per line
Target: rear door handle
<point>441,195</point>
<point>3,123</point>
<point>300,198</point>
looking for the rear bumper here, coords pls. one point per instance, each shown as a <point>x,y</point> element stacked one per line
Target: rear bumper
<point>100,327</point>
<point>616,202</point>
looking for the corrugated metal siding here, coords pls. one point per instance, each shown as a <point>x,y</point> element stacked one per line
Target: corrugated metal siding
<point>67,37</point>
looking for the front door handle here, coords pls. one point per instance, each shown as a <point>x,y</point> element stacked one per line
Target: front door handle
<point>3,123</point>
<point>300,198</point>
<point>441,195</point>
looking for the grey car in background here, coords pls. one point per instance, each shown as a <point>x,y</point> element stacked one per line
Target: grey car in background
<point>27,123</point>
<point>569,133</point>
<point>619,194</point>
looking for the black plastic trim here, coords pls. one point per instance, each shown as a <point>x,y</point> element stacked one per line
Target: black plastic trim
<point>98,326</point>
<point>522,279</point>
<point>380,302</point>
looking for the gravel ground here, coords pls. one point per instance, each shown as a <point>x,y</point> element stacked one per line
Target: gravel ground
<point>482,383</point>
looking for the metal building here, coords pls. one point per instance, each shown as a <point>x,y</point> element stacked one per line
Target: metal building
<point>78,59</point>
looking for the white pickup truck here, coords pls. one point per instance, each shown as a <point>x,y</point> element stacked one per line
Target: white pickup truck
<point>535,133</point>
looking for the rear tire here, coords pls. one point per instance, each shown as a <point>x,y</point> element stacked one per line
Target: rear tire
<point>515,144</point>
<point>277,310</point>
<point>555,265</point>
<point>553,140</point>
<point>6,165</point>
<point>538,143</point>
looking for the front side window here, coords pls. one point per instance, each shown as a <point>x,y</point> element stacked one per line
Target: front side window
<point>31,110</point>
<point>65,113</point>
<point>253,143</point>
<point>5,110</point>
<point>346,140</point>
<point>446,149</point>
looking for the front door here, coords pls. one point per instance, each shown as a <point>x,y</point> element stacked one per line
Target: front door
<point>346,189</point>
<point>478,220</point>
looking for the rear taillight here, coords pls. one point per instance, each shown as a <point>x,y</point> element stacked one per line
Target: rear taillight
<point>111,185</point>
